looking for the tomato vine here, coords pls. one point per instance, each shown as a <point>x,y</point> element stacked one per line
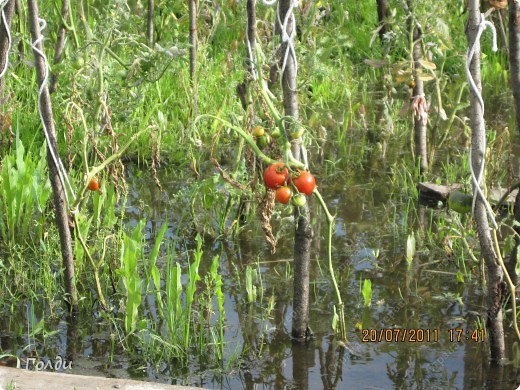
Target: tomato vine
<point>308,183</point>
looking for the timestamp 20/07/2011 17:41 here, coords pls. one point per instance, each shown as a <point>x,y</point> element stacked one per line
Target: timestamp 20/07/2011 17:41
<point>420,335</point>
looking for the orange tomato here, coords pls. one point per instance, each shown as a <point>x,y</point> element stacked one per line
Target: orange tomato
<point>94,184</point>
<point>283,195</point>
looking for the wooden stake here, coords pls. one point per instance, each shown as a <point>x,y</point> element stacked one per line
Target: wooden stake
<point>60,205</point>
<point>496,288</point>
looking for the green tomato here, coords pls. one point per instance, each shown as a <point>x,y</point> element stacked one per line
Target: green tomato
<point>263,141</point>
<point>78,63</point>
<point>298,133</point>
<point>460,202</point>
<point>122,74</point>
<point>276,132</point>
<point>299,200</point>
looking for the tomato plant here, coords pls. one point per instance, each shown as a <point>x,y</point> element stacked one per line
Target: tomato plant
<point>283,195</point>
<point>304,182</point>
<point>276,175</point>
<point>94,184</point>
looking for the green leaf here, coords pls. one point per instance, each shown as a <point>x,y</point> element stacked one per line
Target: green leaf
<point>157,244</point>
<point>366,291</point>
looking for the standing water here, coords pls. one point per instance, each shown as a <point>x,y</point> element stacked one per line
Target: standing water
<point>417,326</point>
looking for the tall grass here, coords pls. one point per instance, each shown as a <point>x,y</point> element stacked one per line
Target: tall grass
<point>24,191</point>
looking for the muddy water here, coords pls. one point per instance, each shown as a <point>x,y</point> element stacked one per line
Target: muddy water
<point>406,339</point>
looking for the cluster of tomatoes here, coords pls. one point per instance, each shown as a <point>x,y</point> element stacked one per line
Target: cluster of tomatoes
<point>276,177</point>
<point>263,138</point>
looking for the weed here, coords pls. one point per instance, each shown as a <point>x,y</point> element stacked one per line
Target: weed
<point>131,252</point>
<point>24,191</point>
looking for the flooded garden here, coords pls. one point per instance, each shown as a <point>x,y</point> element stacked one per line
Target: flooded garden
<point>172,121</point>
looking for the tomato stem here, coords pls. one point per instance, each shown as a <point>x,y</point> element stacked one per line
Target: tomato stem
<point>331,222</point>
<point>290,161</point>
<point>95,170</point>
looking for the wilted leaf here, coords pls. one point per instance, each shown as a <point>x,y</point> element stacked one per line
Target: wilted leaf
<point>401,65</point>
<point>428,65</point>
<point>442,114</point>
<point>426,77</point>
<point>376,63</point>
<point>403,76</point>
<point>410,247</point>
<point>442,28</point>
<point>335,320</point>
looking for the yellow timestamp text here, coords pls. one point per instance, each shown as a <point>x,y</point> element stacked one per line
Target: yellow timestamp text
<point>400,335</point>
<point>461,335</point>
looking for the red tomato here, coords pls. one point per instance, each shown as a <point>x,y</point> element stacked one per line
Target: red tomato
<point>305,182</point>
<point>276,175</point>
<point>94,184</point>
<point>283,195</point>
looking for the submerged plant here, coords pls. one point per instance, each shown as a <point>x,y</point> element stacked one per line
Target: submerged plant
<point>191,324</point>
<point>213,281</point>
<point>251,277</point>
<point>131,252</point>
